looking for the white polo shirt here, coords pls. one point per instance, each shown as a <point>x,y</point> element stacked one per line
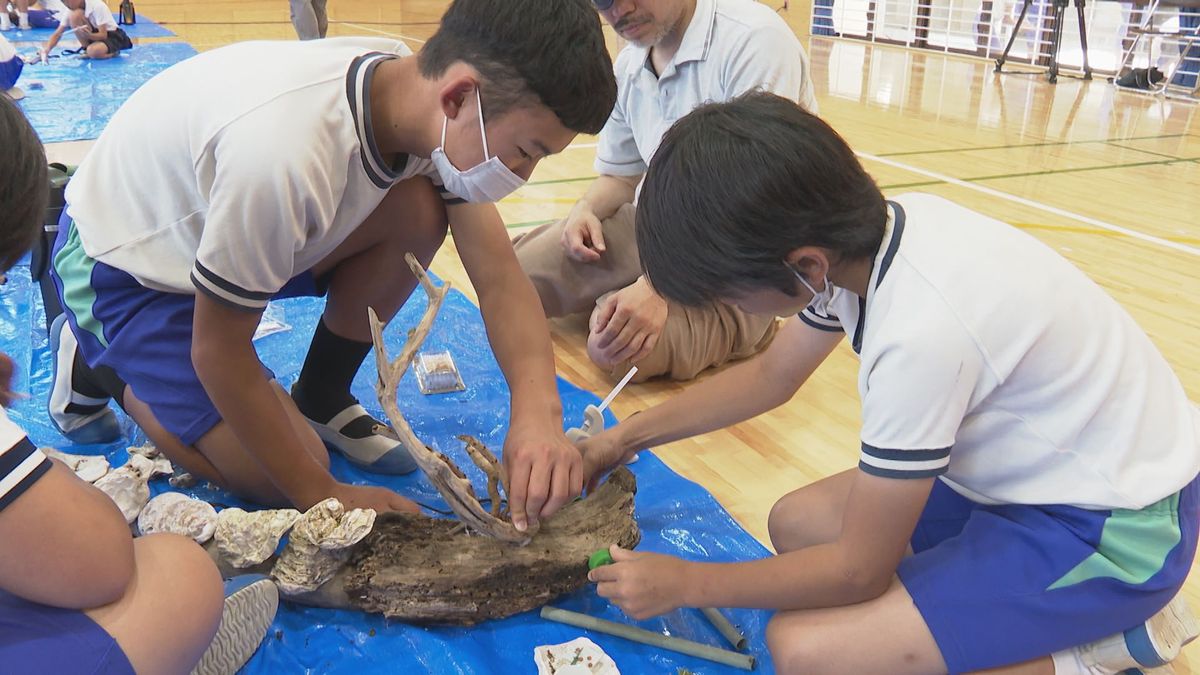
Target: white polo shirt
<point>989,358</point>
<point>98,15</point>
<point>729,48</point>
<point>239,168</point>
<point>21,463</point>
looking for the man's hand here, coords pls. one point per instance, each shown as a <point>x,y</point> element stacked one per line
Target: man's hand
<point>643,585</point>
<point>601,454</point>
<point>544,472</point>
<point>626,325</point>
<point>382,500</point>
<point>583,235</point>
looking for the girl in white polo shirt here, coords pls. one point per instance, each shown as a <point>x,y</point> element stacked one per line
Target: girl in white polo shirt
<point>1026,496</point>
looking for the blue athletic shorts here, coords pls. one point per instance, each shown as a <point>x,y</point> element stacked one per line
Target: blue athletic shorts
<point>10,72</point>
<point>36,639</point>
<point>999,585</point>
<point>144,335</point>
<point>40,18</point>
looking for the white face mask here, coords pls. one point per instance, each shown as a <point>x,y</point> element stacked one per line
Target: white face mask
<point>820,300</point>
<point>489,181</point>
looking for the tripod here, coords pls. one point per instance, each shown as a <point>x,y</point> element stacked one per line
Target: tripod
<point>1060,8</point>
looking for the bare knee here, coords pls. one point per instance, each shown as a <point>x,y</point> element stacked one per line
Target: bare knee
<point>98,50</point>
<point>76,19</point>
<point>425,220</point>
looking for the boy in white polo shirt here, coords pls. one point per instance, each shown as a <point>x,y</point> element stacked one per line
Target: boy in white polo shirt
<point>273,169</point>
<point>1019,431</point>
<point>681,53</point>
<point>95,28</point>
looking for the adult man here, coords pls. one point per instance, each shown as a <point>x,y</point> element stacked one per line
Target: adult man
<point>681,53</point>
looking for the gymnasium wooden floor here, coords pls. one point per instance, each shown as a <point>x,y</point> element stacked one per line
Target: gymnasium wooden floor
<point>1110,179</point>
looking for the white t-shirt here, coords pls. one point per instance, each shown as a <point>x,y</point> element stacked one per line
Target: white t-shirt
<point>729,48</point>
<point>239,168</point>
<point>989,358</point>
<point>97,14</point>
<point>21,463</point>
<point>7,51</point>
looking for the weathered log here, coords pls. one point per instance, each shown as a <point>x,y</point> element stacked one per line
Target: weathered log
<point>413,568</point>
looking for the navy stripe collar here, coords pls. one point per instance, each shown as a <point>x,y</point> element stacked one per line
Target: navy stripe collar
<point>358,93</point>
<point>893,232</point>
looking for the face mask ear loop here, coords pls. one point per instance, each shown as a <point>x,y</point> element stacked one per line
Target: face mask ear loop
<point>445,121</point>
<point>479,101</point>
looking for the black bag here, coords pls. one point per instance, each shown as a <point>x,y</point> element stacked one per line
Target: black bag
<point>128,15</point>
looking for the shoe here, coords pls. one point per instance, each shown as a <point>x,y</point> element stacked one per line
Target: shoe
<point>375,448</point>
<point>83,419</point>
<point>5,21</point>
<point>1152,644</point>
<point>16,93</point>
<point>251,601</point>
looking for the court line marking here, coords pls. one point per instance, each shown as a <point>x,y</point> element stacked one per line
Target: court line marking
<point>382,32</point>
<point>1047,144</point>
<point>1141,236</point>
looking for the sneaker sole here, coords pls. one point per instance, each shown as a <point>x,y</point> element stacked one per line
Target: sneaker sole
<point>1160,639</point>
<point>395,462</point>
<point>247,615</point>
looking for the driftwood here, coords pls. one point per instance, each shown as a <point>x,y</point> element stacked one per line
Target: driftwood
<point>427,570</point>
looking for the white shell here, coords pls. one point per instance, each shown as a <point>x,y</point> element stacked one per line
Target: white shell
<point>179,514</point>
<point>182,481</point>
<point>319,545</point>
<point>129,486</point>
<point>149,451</point>
<point>245,539</point>
<point>88,467</point>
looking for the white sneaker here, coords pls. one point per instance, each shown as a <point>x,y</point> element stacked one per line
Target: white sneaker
<point>251,601</point>
<point>23,21</point>
<point>1152,644</point>
<point>5,22</point>
<point>379,451</point>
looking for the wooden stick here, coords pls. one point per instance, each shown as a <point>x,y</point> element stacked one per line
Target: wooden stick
<point>725,628</point>
<point>646,637</point>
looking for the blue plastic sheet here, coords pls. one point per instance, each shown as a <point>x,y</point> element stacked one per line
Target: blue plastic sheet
<point>144,28</point>
<point>72,99</point>
<point>676,516</point>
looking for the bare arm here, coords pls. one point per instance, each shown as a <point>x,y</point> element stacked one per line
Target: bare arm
<point>743,391</point>
<point>52,41</point>
<point>583,237</point>
<point>228,367</point>
<point>65,544</point>
<point>544,469</point>
<point>880,516</point>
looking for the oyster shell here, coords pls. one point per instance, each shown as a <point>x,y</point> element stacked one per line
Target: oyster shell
<point>320,543</point>
<point>90,468</point>
<point>248,538</point>
<point>129,486</point>
<point>179,514</point>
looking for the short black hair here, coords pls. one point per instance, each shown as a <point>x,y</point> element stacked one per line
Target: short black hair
<point>549,49</point>
<point>24,186</point>
<point>736,186</point>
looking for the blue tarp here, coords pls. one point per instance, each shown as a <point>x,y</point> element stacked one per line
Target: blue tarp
<point>72,99</point>
<point>144,28</point>
<point>676,516</point>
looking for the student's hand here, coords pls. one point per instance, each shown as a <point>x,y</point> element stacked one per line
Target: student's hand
<point>601,454</point>
<point>643,585</point>
<point>583,236</point>
<point>382,500</point>
<point>544,469</point>
<point>626,325</point>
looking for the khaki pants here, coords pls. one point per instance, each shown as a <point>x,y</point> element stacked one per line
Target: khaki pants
<point>694,338</point>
